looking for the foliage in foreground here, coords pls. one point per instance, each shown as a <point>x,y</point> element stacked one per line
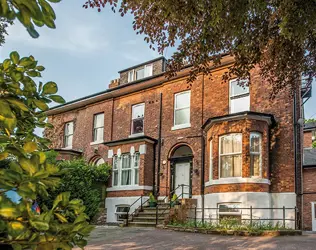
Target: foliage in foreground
<point>232,224</point>
<point>29,174</point>
<point>84,181</point>
<point>277,35</point>
<point>30,13</point>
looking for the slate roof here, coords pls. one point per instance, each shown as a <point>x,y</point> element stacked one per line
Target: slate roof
<point>309,157</point>
<point>309,126</point>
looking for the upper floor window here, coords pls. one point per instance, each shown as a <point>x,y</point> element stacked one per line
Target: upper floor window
<point>255,154</point>
<point>138,112</point>
<point>239,98</point>
<point>69,131</point>
<point>230,154</point>
<point>98,127</point>
<point>140,73</point>
<point>126,170</point>
<point>182,109</point>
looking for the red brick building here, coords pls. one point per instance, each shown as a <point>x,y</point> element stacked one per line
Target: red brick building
<point>231,145</point>
<point>309,178</point>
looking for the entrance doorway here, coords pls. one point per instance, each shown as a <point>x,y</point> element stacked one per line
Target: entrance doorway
<point>313,216</point>
<point>181,171</point>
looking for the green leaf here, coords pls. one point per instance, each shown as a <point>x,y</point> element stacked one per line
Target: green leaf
<point>50,88</point>
<point>40,68</point>
<point>57,98</point>
<point>15,228</point>
<point>6,64</point>
<point>8,210</point>
<point>15,57</point>
<point>25,61</point>
<point>62,198</point>
<point>18,104</point>
<point>61,218</point>
<point>33,73</point>
<point>30,147</point>
<point>5,109</point>
<point>27,165</point>
<point>39,225</point>
<point>47,8</point>
<point>33,33</point>
<point>41,105</point>
<point>3,155</point>
<point>42,157</point>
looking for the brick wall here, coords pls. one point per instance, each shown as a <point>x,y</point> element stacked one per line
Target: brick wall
<point>308,139</point>
<point>309,177</point>
<point>209,98</point>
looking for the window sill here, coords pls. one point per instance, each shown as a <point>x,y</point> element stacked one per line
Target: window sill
<point>182,126</point>
<point>136,135</point>
<point>237,180</point>
<point>96,142</point>
<point>129,188</point>
<point>69,147</point>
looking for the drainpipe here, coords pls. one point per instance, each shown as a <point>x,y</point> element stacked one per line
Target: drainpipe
<point>159,146</point>
<point>154,166</point>
<point>203,152</point>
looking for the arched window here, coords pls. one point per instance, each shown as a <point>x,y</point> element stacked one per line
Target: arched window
<point>182,151</point>
<point>99,161</point>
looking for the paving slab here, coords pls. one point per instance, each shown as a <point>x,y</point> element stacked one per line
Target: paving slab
<point>151,238</point>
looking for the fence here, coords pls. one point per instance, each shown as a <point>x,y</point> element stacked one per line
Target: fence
<point>287,217</point>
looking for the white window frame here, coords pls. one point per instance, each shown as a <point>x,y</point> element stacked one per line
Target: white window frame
<point>66,136</point>
<point>234,97</point>
<point>97,128</point>
<point>256,153</point>
<point>120,169</point>
<point>131,75</point>
<point>229,213</point>
<point>229,154</point>
<point>175,109</point>
<point>121,213</point>
<point>132,124</point>
<point>211,160</point>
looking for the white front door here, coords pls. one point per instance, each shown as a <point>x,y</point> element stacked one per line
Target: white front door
<point>182,176</point>
<point>313,216</point>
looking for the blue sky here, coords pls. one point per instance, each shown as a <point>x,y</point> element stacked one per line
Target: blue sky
<point>87,49</point>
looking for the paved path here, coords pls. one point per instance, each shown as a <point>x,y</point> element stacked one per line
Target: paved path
<point>150,238</point>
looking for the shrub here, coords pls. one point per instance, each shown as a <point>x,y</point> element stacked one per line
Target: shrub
<point>84,181</point>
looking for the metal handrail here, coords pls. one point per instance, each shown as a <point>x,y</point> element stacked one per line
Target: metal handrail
<point>181,195</point>
<point>141,207</point>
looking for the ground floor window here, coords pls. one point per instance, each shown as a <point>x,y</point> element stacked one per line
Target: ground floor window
<point>126,170</point>
<point>229,211</point>
<point>121,212</point>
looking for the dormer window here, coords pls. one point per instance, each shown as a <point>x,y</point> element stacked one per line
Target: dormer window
<point>140,73</point>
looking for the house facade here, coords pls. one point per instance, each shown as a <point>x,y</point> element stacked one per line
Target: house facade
<point>228,143</point>
<point>309,178</point>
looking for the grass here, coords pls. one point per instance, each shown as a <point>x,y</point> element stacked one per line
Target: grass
<point>233,224</point>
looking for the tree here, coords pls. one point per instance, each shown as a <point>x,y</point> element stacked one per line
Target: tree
<point>4,24</point>
<point>29,174</point>
<point>279,36</point>
<point>84,181</point>
<point>30,13</point>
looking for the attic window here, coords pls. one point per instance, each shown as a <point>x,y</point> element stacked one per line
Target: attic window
<point>140,73</point>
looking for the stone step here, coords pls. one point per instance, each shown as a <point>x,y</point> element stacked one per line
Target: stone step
<point>149,214</point>
<point>154,209</point>
<point>147,219</point>
<point>141,224</point>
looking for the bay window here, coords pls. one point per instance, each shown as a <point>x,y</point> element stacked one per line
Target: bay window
<point>182,109</point>
<point>230,155</point>
<point>98,127</point>
<point>239,97</point>
<point>255,154</point>
<point>138,112</point>
<point>68,134</point>
<point>126,170</point>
